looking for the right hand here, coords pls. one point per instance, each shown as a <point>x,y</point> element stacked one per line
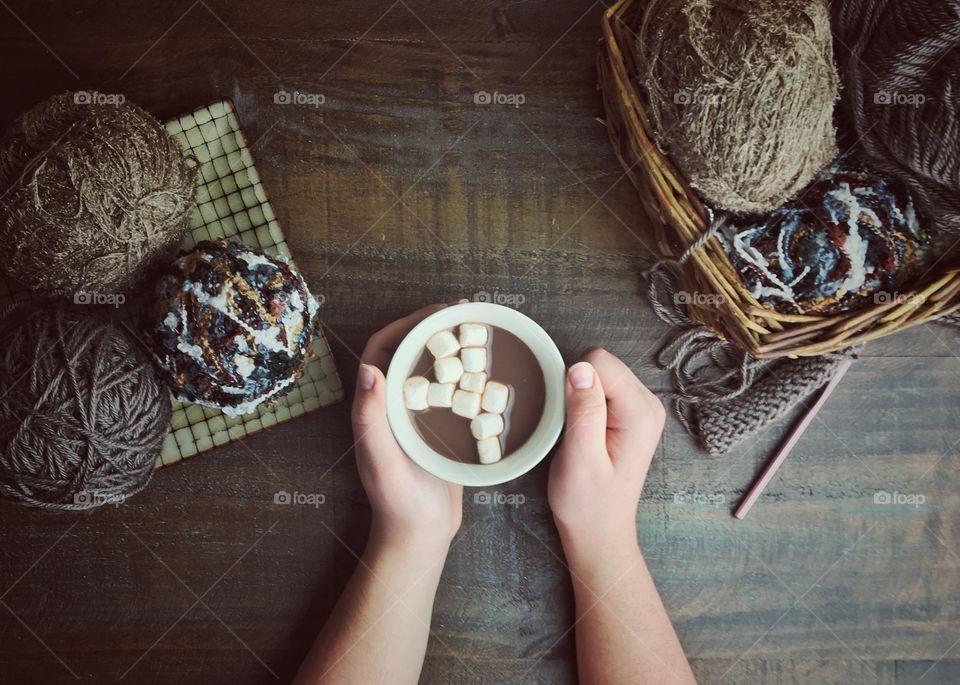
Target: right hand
<point>411,508</point>
<point>614,424</point>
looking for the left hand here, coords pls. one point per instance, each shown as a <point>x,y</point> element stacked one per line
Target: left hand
<point>410,506</point>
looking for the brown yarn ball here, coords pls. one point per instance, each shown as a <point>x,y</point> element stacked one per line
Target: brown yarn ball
<point>741,95</point>
<point>83,415</point>
<point>900,63</point>
<point>93,196</point>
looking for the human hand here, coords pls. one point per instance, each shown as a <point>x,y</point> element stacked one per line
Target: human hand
<point>411,508</point>
<point>613,427</point>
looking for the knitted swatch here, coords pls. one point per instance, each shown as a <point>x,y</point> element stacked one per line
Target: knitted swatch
<point>722,425</point>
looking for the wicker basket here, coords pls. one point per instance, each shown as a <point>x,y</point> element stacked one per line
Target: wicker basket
<point>680,219</point>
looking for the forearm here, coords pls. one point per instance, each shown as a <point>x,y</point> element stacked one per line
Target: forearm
<point>379,629</point>
<point>624,634</point>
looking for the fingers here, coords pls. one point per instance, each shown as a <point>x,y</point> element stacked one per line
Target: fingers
<point>586,411</point>
<point>370,426</point>
<point>620,385</point>
<point>635,415</point>
<point>369,415</point>
<point>383,343</point>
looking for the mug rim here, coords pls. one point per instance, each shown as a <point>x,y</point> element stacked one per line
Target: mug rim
<point>544,436</point>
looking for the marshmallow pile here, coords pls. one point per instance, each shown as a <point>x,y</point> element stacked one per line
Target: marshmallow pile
<point>460,369</point>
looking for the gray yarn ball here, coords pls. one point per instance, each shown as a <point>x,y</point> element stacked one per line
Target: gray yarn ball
<point>83,415</point>
<point>900,62</point>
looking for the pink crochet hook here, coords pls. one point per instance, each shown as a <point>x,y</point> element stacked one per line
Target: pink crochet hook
<point>770,470</point>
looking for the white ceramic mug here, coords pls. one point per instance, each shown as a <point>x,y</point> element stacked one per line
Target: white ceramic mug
<point>519,461</point>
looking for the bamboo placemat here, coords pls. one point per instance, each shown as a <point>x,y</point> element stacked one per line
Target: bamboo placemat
<point>232,204</point>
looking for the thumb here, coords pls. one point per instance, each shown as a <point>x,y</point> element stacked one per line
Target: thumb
<point>586,409</point>
<point>371,429</point>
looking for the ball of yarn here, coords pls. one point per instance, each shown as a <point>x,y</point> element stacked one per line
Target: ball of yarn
<point>741,95</point>
<point>96,195</point>
<point>231,326</point>
<point>850,239</point>
<point>83,415</point>
<point>900,65</point>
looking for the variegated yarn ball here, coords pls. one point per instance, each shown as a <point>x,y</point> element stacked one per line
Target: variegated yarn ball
<point>231,326</point>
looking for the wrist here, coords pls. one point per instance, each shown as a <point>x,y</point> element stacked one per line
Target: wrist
<point>409,546</point>
<point>405,566</point>
<point>592,547</point>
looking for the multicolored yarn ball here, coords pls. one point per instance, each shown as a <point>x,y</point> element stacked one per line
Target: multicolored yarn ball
<point>900,64</point>
<point>741,95</point>
<point>231,326</point>
<point>850,235</point>
<point>96,195</point>
<point>83,414</point>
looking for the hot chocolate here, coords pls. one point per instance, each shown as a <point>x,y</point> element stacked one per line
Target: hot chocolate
<point>476,393</point>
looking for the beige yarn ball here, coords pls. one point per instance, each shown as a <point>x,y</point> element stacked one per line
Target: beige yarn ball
<point>96,195</point>
<point>741,95</point>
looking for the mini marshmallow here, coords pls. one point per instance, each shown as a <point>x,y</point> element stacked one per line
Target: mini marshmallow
<point>443,344</point>
<point>473,382</point>
<point>489,450</point>
<point>495,397</point>
<point>415,393</point>
<point>473,335</point>
<point>466,404</point>
<point>440,394</point>
<point>448,370</point>
<point>474,359</point>
<point>486,426</point>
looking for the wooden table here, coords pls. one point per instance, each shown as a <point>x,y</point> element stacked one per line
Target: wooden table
<point>399,190</point>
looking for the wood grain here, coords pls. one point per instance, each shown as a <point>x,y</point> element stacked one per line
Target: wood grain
<point>819,585</point>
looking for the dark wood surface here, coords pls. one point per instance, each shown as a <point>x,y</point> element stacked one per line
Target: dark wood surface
<point>202,579</point>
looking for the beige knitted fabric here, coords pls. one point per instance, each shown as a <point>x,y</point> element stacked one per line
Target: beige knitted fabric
<point>724,424</point>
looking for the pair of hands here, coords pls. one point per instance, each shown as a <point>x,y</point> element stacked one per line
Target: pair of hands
<point>613,427</point>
